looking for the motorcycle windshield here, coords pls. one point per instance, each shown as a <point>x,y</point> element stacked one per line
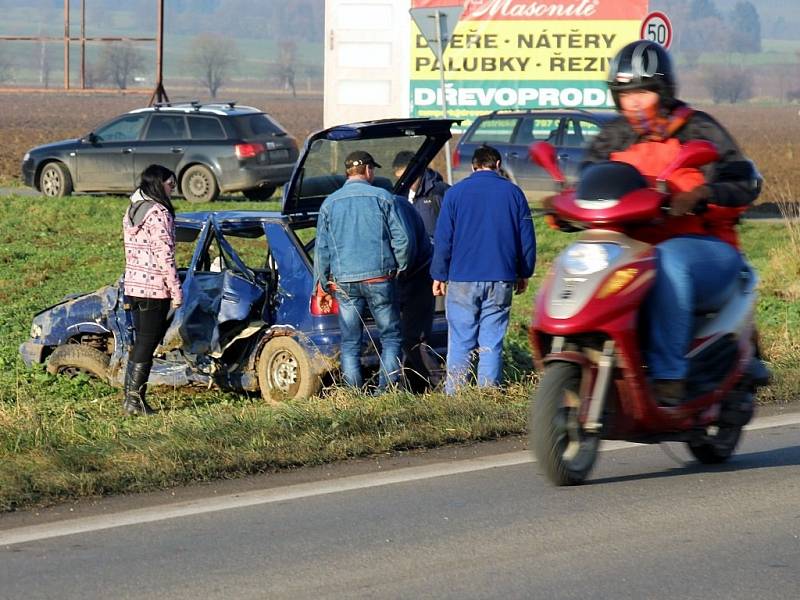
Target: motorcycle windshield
<point>608,180</point>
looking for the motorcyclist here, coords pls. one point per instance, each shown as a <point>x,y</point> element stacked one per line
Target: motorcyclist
<point>697,245</point>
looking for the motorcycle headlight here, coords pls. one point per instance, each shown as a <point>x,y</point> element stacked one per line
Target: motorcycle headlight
<point>583,258</point>
<point>36,331</point>
<point>26,157</point>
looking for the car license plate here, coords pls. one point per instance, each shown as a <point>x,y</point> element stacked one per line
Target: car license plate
<point>277,155</point>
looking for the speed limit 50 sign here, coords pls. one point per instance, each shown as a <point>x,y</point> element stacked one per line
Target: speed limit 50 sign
<point>657,28</point>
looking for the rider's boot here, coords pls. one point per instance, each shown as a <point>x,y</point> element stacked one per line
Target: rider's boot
<point>669,392</point>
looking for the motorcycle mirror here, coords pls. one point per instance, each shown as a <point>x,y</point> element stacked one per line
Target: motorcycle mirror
<point>694,153</point>
<point>544,155</point>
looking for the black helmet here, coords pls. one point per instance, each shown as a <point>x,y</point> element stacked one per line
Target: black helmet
<point>643,65</point>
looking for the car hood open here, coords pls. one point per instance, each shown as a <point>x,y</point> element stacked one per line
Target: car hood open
<point>319,170</point>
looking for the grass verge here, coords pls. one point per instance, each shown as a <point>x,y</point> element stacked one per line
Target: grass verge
<point>62,438</point>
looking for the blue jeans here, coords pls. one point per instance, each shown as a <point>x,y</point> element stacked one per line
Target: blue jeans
<point>693,274</point>
<point>382,301</point>
<point>477,319</point>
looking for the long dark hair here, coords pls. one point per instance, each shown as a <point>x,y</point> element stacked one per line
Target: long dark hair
<point>152,185</point>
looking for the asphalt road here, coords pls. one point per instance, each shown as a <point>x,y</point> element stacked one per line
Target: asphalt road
<point>650,524</point>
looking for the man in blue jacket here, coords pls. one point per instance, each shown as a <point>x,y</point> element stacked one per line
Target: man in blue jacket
<point>484,250</point>
<point>361,246</point>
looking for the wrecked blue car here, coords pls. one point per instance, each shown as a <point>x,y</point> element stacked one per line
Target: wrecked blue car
<point>249,321</point>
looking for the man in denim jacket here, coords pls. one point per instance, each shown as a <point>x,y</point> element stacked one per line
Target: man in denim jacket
<point>360,248</point>
<point>484,250</point>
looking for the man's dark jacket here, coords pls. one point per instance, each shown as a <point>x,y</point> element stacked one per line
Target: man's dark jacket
<point>733,179</point>
<point>428,199</point>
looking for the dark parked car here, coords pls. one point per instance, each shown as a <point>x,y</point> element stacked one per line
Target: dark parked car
<point>212,148</point>
<point>513,131</point>
<point>249,319</point>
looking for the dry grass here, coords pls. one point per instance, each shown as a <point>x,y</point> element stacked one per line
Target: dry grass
<point>770,136</point>
<point>783,276</point>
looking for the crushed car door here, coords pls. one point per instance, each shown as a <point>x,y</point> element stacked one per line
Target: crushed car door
<point>220,295</point>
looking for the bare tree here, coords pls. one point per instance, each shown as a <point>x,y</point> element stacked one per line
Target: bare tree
<point>213,58</point>
<point>119,62</point>
<point>287,60</point>
<point>44,65</point>
<point>729,84</point>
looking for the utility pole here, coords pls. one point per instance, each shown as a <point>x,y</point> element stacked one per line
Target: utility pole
<point>159,93</point>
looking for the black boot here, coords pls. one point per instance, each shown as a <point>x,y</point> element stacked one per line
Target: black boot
<point>136,377</point>
<point>669,392</point>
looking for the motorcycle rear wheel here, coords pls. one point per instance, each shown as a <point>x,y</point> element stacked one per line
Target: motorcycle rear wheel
<point>566,452</point>
<point>717,448</point>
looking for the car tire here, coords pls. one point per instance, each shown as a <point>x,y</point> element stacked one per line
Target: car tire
<point>55,180</point>
<point>74,359</point>
<point>260,193</point>
<point>285,371</point>
<point>198,184</point>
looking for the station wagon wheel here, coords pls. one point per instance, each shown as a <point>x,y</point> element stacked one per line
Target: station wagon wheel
<point>55,181</point>
<point>259,193</point>
<point>198,184</point>
<point>74,359</point>
<point>285,372</point>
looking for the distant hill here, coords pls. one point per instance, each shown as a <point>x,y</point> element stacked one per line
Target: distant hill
<point>780,20</point>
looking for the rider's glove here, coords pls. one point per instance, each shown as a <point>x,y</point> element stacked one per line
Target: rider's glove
<point>684,203</point>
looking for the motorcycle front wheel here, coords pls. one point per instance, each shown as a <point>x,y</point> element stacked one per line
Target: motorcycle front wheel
<point>565,450</point>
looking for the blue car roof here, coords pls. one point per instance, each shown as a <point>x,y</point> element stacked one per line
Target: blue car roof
<point>199,218</point>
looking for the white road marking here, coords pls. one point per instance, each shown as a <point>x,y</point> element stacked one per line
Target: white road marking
<point>32,533</point>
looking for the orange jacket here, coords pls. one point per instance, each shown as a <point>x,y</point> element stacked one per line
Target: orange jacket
<point>650,158</point>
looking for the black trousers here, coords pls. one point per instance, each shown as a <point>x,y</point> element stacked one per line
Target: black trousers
<point>149,324</point>
<point>416,320</point>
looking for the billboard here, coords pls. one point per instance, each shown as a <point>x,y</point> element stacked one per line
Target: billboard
<point>512,54</point>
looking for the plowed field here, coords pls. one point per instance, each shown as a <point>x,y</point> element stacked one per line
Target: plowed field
<point>769,135</point>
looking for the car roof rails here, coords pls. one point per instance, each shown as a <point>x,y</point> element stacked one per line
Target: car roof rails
<point>501,111</point>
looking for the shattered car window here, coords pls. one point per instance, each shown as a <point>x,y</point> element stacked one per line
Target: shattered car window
<point>249,244</point>
<point>210,259</point>
<point>307,234</point>
<point>185,238</point>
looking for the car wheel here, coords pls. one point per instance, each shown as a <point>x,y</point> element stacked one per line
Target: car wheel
<point>198,184</point>
<point>74,359</point>
<point>260,193</point>
<point>55,180</point>
<point>285,372</point>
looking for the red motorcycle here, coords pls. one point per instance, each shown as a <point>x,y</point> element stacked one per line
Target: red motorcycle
<point>587,333</point>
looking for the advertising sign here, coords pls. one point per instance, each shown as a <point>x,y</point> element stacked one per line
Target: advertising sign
<point>511,54</point>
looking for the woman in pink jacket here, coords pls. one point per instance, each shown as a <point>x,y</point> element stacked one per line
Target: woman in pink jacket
<point>151,277</point>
